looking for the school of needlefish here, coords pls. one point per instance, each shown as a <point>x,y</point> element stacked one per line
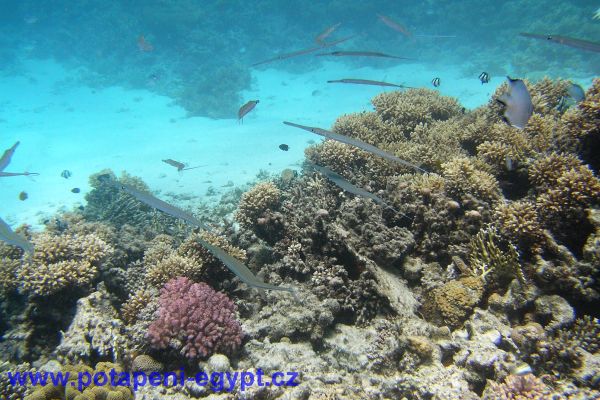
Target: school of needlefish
<point>516,101</point>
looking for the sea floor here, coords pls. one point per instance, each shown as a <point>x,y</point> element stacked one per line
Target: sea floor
<point>62,125</point>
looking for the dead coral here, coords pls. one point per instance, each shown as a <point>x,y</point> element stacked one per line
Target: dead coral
<point>61,261</point>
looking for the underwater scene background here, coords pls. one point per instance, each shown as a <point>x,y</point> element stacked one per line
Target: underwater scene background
<point>299,200</point>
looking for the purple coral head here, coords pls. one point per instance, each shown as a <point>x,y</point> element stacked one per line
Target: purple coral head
<point>195,318</point>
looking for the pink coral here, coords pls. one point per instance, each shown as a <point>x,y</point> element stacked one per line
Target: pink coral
<point>196,317</point>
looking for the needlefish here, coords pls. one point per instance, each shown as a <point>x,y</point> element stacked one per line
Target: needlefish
<point>357,143</point>
<point>341,182</point>
<point>5,159</point>
<point>368,82</point>
<point>9,236</point>
<point>566,41</point>
<point>234,265</point>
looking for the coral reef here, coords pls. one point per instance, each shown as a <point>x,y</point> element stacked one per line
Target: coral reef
<point>201,320</point>
<point>518,388</point>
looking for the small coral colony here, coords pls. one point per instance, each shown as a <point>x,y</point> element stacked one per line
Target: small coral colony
<point>429,250</point>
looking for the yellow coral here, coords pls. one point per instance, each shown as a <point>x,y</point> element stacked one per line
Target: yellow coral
<point>519,222</point>
<point>465,177</point>
<point>135,304</point>
<point>254,203</point>
<point>545,171</point>
<point>61,261</point>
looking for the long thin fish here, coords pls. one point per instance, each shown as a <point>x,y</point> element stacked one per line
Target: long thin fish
<point>6,174</point>
<point>361,54</point>
<point>566,41</point>
<point>355,142</point>
<point>394,25</point>
<point>302,52</point>
<point>325,34</point>
<point>9,236</point>
<point>179,165</point>
<point>368,82</point>
<point>5,159</point>
<point>236,266</point>
<point>350,188</point>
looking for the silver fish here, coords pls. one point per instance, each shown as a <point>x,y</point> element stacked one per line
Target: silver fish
<point>234,265</point>
<point>566,41</point>
<point>368,82</point>
<point>517,102</point>
<point>361,54</point>
<point>341,182</point>
<point>6,174</point>
<point>5,159</point>
<point>357,143</point>
<point>576,92</point>
<point>9,236</point>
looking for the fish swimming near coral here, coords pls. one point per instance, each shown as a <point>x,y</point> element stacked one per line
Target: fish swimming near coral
<point>576,92</point>
<point>9,236</point>
<point>517,102</point>
<point>75,190</point>
<point>234,265</point>
<point>341,182</point>
<point>66,174</point>
<point>566,41</point>
<point>320,39</point>
<point>484,77</point>
<point>245,109</point>
<point>284,147</point>
<point>357,143</point>
<point>394,25</point>
<point>368,82</point>
<point>6,157</point>
<point>436,82</point>
<point>23,196</point>
<point>361,54</point>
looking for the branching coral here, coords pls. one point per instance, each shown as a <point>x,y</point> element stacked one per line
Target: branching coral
<point>516,387</point>
<point>492,264</point>
<point>62,261</point>
<point>518,221</point>
<point>256,203</point>
<point>465,177</point>
<point>196,319</point>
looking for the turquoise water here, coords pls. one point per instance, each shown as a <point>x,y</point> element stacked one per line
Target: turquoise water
<point>125,85</point>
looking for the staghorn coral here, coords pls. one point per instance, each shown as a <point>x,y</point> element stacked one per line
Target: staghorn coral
<point>132,308</point>
<point>545,171</point>
<point>195,319</point>
<point>8,275</point>
<point>464,177</point>
<point>368,127</point>
<point>516,387</point>
<point>62,261</point>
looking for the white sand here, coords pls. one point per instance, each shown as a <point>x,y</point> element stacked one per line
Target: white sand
<point>64,126</point>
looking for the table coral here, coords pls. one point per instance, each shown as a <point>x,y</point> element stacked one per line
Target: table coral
<point>62,261</point>
<point>196,319</point>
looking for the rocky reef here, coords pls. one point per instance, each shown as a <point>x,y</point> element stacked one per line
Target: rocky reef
<point>480,280</point>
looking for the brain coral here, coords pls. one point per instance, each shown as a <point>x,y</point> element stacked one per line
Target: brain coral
<point>200,320</point>
<point>61,261</point>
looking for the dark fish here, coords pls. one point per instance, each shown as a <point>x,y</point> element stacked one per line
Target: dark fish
<point>566,41</point>
<point>325,34</point>
<point>368,82</point>
<point>360,54</point>
<point>436,82</point>
<point>66,174</point>
<point>23,196</point>
<point>484,77</point>
<point>517,102</point>
<point>355,142</point>
<point>394,25</point>
<point>302,52</point>
<point>5,159</point>
<point>246,108</point>
<point>284,147</point>
<point>180,166</point>
<point>75,190</point>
